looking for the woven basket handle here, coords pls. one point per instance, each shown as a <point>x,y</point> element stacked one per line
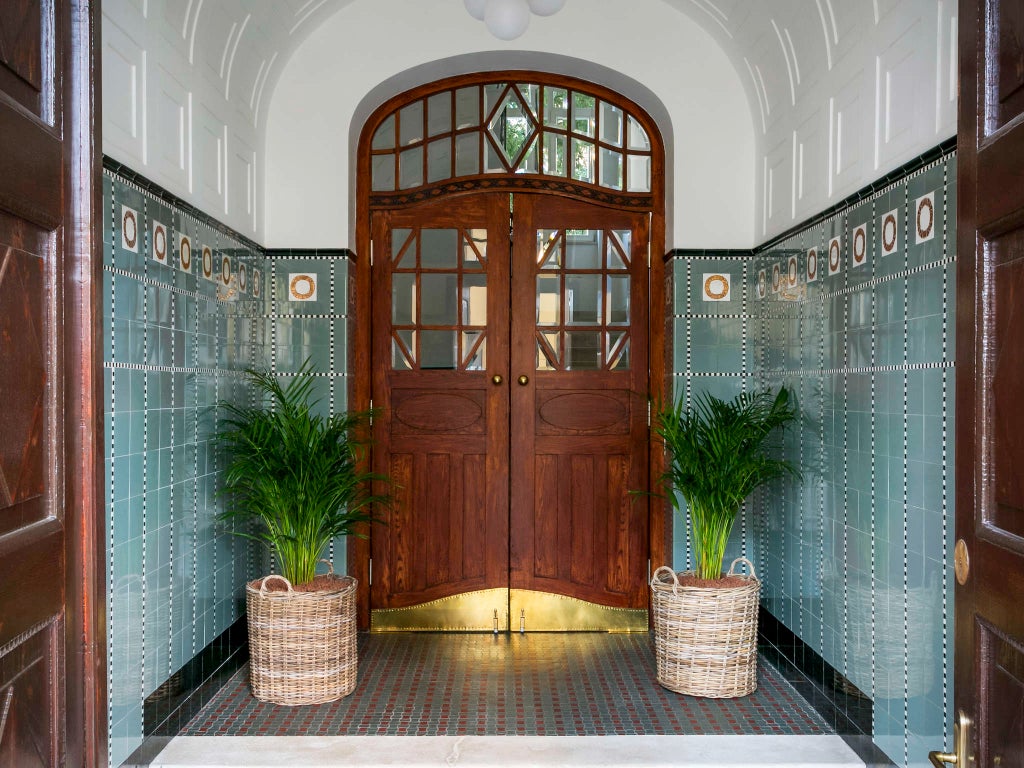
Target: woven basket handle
<point>750,567</point>
<point>330,566</point>
<point>675,579</point>
<point>263,584</point>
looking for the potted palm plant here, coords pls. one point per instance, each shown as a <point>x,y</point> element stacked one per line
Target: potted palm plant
<point>706,621</point>
<point>294,481</point>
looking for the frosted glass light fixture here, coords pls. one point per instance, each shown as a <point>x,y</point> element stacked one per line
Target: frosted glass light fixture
<point>508,19</point>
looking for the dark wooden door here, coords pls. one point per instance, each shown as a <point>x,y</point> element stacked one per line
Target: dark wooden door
<point>579,426</point>
<point>512,380</point>
<point>440,367</point>
<point>989,664</point>
<point>51,699</point>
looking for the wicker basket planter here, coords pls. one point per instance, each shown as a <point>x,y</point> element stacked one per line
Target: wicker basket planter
<point>705,638</point>
<point>302,645</point>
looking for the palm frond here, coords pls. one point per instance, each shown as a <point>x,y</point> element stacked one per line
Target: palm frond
<point>718,457</point>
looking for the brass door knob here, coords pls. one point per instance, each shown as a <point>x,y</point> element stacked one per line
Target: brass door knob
<point>496,379</point>
<point>523,380</point>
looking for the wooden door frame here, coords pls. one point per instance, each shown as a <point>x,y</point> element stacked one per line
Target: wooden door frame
<point>359,309</point>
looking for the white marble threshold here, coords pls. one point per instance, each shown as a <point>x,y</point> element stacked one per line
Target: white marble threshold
<point>510,751</point>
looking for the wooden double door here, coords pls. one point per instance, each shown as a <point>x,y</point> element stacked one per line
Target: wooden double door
<point>510,364</point>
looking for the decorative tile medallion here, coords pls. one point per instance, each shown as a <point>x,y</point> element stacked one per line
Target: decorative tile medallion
<point>225,269</point>
<point>835,257</point>
<point>129,229</point>
<point>792,271</point>
<point>184,253</point>
<point>302,286</point>
<point>762,284</point>
<point>925,218</point>
<point>859,245</point>
<point>159,246</point>
<point>207,262</point>
<point>257,283</point>
<point>717,286</point>
<point>776,277</point>
<point>890,232</point>
<point>243,278</point>
<point>812,264</point>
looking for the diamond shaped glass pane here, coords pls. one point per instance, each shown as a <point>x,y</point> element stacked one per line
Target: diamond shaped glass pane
<point>511,128</point>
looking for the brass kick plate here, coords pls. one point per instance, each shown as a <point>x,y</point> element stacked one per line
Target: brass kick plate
<point>488,610</point>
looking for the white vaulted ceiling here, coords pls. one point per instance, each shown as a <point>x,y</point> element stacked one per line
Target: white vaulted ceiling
<point>838,91</point>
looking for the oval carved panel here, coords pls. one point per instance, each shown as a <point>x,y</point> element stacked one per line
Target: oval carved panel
<point>584,411</point>
<point>442,412</point>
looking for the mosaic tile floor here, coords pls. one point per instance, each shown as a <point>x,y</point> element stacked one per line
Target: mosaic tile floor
<point>535,684</point>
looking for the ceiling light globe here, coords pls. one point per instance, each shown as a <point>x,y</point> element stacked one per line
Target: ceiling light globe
<point>476,8</point>
<point>507,19</point>
<point>546,7</point>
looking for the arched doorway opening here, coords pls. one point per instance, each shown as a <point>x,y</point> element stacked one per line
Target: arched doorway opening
<point>511,329</point>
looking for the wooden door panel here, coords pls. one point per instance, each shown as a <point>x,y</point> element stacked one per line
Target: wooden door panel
<point>441,434</point>
<point>576,532</point>
<point>27,681</point>
<point>989,662</point>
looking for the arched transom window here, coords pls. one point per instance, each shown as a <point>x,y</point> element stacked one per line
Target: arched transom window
<point>511,127</point>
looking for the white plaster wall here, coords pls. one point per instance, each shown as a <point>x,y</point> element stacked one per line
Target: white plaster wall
<point>310,129</point>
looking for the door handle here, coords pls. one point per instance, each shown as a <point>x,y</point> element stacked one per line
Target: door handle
<point>496,379</point>
<point>960,755</point>
<point>523,380</point>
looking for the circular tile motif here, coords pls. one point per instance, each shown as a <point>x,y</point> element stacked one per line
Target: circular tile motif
<point>833,255</point>
<point>207,262</point>
<point>716,287</point>
<point>130,228</point>
<point>242,277</point>
<point>185,253</point>
<point>159,243</point>
<point>776,277</point>
<point>859,246</point>
<point>889,233</point>
<point>302,287</point>
<point>812,264</point>
<point>792,272</point>
<point>762,283</point>
<point>225,270</point>
<point>925,218</point>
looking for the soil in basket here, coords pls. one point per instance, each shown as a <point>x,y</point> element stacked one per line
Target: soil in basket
<point>322,583</point>
<point>690,580</point>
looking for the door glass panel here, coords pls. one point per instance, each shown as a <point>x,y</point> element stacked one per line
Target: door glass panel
<point>583,299</point>
<point>440,305</point>
<point>493,157</point>
<point>438,349</point>
<point>467,154</point>
<point>549,296</point>
<point>611,124</point>
<point>467,107</point>
<point>549,249</point>
<point>474,249</point>
<point>403,298</point>
<point>583,249</point>
<point>547,351</point>
<point>404,350</point>
<point>474,299</point>
<point>492,93</point>
<point>439,113</point>
<point>620,245</point>
<point>618,300</point>
<point>639,173</point>
<point>384,136</point>
<point>399,239</point>
<point>410,123</point>
<point>410,168</point>
<point>530,162</point>
<point>611,168</point>
<point>554,154</point>
<point>556,107</point>
<point>583,113</point>
<point>439,160</point>
<point>511,128</point>
<point>383,173</point>
<point>439,248</point>
<point>618,351</point>
<point>474,351</point>
<point>583,351</point>
<point>583,161</point>
<point>637,136</point>
<point>530,93</point>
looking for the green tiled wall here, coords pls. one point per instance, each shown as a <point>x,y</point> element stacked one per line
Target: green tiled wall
<point>174,347</point>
